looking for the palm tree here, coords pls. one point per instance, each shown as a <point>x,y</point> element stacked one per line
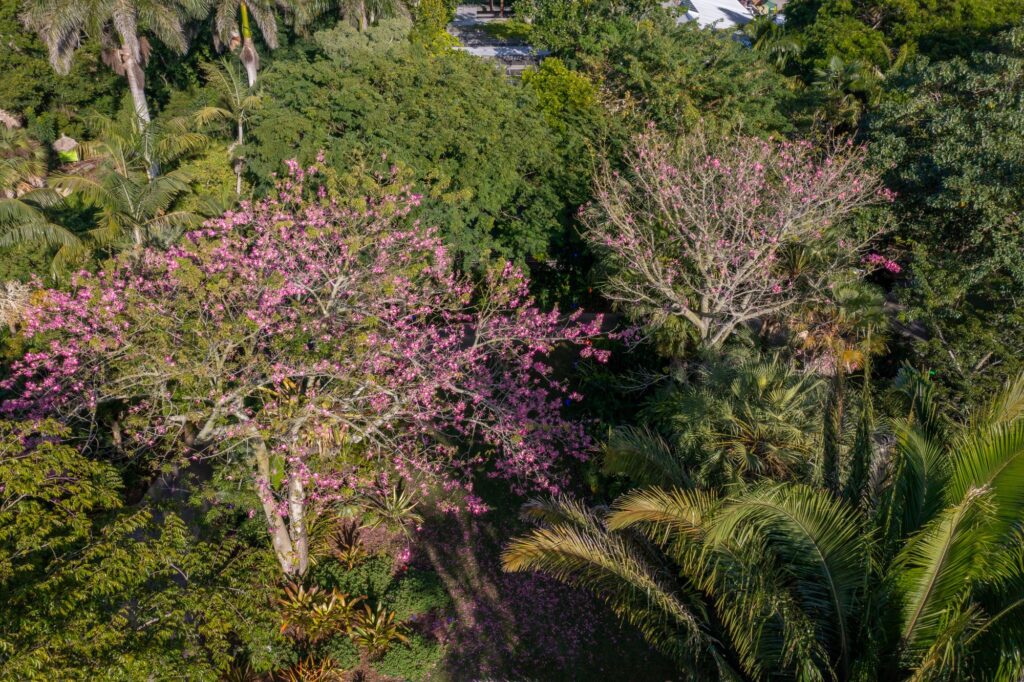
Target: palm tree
<point>768,36</point>
<point>24,196</point>
<point>233,21</point>
<point>135,209</point>
<point>361,13</point>
<point>788,581</point>
<point>848,88</point>
<point>118,24</point>
<point>234,104</point>
<point>737,420</point>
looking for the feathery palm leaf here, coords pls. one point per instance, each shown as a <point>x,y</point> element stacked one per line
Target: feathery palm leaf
<point>24,195</point>
<point>582,552</point>
<point>935,571</point>
<point>644,456</point>
<point>821,543</point>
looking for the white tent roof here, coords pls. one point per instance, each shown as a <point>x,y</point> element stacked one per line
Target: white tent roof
<point>716,13</point>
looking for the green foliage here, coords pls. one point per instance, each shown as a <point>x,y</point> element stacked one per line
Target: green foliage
<point>394,507</point>
<point>416,593</point>
<point>738,420</point>
<point>792,580</point>
<point>370,578</point>
<point>310,615</point>
<point>430,25</point>
<point>679,75</point>
<point>909,566</point>
<point>95,591</point>
<point>125,207</point>
<point>408,592</point>
<point>489,165</point>
<point>341,650</point>
<point>343,40</point>
<point>48,492</point>
<point>50,104</point>
<point>673,74</point>
<point>568,99</point>
<point>211,184</point>
<point>876,32</point>
<point>24,196</point>
<point>952,137</point>
<point>580,32</point>
<point>514,31</point>
<point>410,662</point>
<point>376,630</point>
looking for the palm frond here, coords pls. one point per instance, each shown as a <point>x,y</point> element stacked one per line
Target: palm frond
<point>585,554</point>
<point>37,231</point>
<point>668,517</point>
<point>1007,407</point>
<point>991,459</point>
<point>158,196</point>
<point>821,543</point>
<point>90,190</point>
<point>643,456</point>
<point>559,510</point>
<point>935,570</point>
<point>915,492</point>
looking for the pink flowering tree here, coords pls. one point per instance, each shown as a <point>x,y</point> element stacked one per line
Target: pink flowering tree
<point>329,345</point>
<point>725,231</point>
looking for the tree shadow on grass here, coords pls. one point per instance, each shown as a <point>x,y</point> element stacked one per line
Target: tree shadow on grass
<point>522,626</point>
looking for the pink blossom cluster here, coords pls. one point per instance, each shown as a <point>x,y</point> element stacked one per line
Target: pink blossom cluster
<point>721,232</point>
<point>342,340</point>
<point>879,261</point>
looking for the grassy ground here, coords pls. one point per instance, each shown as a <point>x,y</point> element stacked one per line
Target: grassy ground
<point>512,31</point>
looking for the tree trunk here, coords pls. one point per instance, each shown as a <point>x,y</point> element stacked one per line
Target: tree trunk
<point>239,162</point>
<point>363,23</point>
<point>284,548</point>
<point>833,429</point>
<point>297,522</point>
<point>137,87</point>
<point>250,58</point>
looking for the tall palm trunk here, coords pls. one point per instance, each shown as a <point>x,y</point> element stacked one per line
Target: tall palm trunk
<point>364,24</point>
<point>833,429</point>
<point>131,62</point>
<point>239,162</point>
<point>250,58</point>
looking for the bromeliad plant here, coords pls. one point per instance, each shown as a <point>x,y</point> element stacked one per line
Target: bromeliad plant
<point>375,630</point>
<point>346,546</point>
<point>393,506</point>
<point>923,582</point>
<point>324,343</point>
<point>310,615</point>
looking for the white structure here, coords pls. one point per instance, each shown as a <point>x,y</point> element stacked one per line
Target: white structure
<point>716,13</point>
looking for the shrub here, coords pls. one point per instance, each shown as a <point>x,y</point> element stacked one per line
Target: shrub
<point>412,660</point>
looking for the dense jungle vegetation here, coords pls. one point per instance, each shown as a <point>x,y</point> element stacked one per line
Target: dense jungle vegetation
<point>331,351</point>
